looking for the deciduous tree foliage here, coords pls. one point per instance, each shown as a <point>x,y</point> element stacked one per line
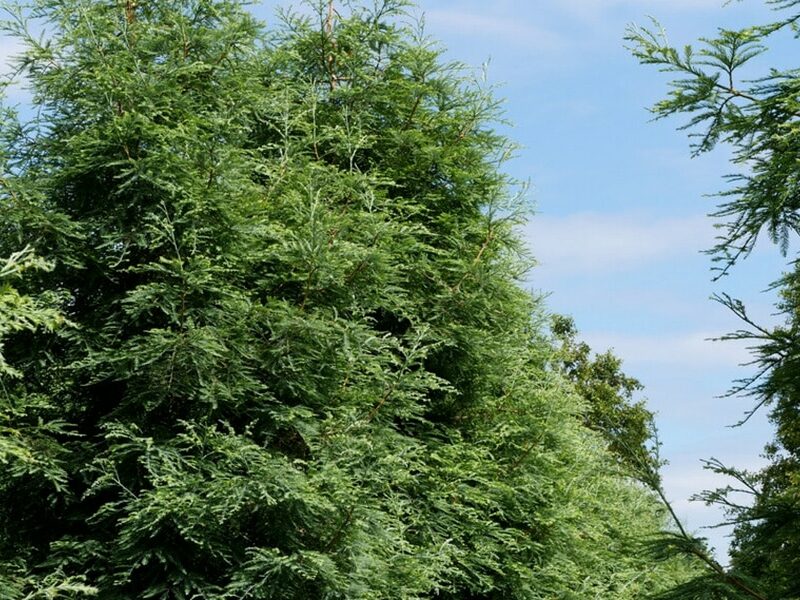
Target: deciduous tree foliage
<point>758,119</point>
<point>298,361</point>
<point>627,426</point>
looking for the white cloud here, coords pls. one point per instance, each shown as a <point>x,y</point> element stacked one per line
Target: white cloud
<point>590,242</point>
<point>692,349</point>
<point>505,29</point>
<point>597,6</point>
<point>9,48</point>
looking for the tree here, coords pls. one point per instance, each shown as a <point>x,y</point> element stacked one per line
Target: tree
<point>300,363</point>
<point>627,426</point>
<point>758,119</point>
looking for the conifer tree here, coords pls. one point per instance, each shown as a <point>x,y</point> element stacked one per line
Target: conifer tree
<point>758,118</point>
<point>299,361</point>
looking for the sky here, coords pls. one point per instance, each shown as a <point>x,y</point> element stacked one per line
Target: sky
<point>621,209</point>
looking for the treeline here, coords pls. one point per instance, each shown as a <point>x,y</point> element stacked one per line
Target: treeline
<point>264,334</point>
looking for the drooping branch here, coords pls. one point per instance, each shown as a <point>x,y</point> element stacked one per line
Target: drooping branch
<point>703,555</point>
<point>648,475</point>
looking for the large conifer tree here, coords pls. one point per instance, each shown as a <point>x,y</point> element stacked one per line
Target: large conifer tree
<point>298,363</point>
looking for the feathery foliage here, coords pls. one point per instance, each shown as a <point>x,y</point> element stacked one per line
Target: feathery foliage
<point>301,364</point>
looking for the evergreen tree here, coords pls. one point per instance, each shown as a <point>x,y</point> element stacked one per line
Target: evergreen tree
<point>300,363</point>
<point>758,119</point>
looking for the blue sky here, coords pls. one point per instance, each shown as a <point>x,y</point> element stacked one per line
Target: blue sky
<point>621,207</point>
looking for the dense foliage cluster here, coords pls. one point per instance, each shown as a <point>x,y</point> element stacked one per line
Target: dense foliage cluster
<point>278,348</point>
<point>759,118</point>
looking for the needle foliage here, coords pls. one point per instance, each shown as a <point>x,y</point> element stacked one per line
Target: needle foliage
<point>298,362</point>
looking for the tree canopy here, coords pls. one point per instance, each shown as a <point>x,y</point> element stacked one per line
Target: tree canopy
<point>296,359</point>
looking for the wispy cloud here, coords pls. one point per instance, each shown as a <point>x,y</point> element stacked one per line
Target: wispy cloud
<point>694,349</point>
<point>504,29</point>
<point>589,242</point>
<point>596,6</point>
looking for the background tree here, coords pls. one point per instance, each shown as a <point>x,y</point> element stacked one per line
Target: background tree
<point>627,425</point>
<point>758,119</point>
<point>301,363</point>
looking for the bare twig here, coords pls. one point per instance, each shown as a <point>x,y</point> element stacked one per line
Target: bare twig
<point>130,11</point>
<point>330,59</point>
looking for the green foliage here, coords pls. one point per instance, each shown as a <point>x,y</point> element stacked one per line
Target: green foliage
<point>627,425</point>
<point>301,365</point>
<point>30,430</point>
<point>754,117</point>
<point>758,119</point>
